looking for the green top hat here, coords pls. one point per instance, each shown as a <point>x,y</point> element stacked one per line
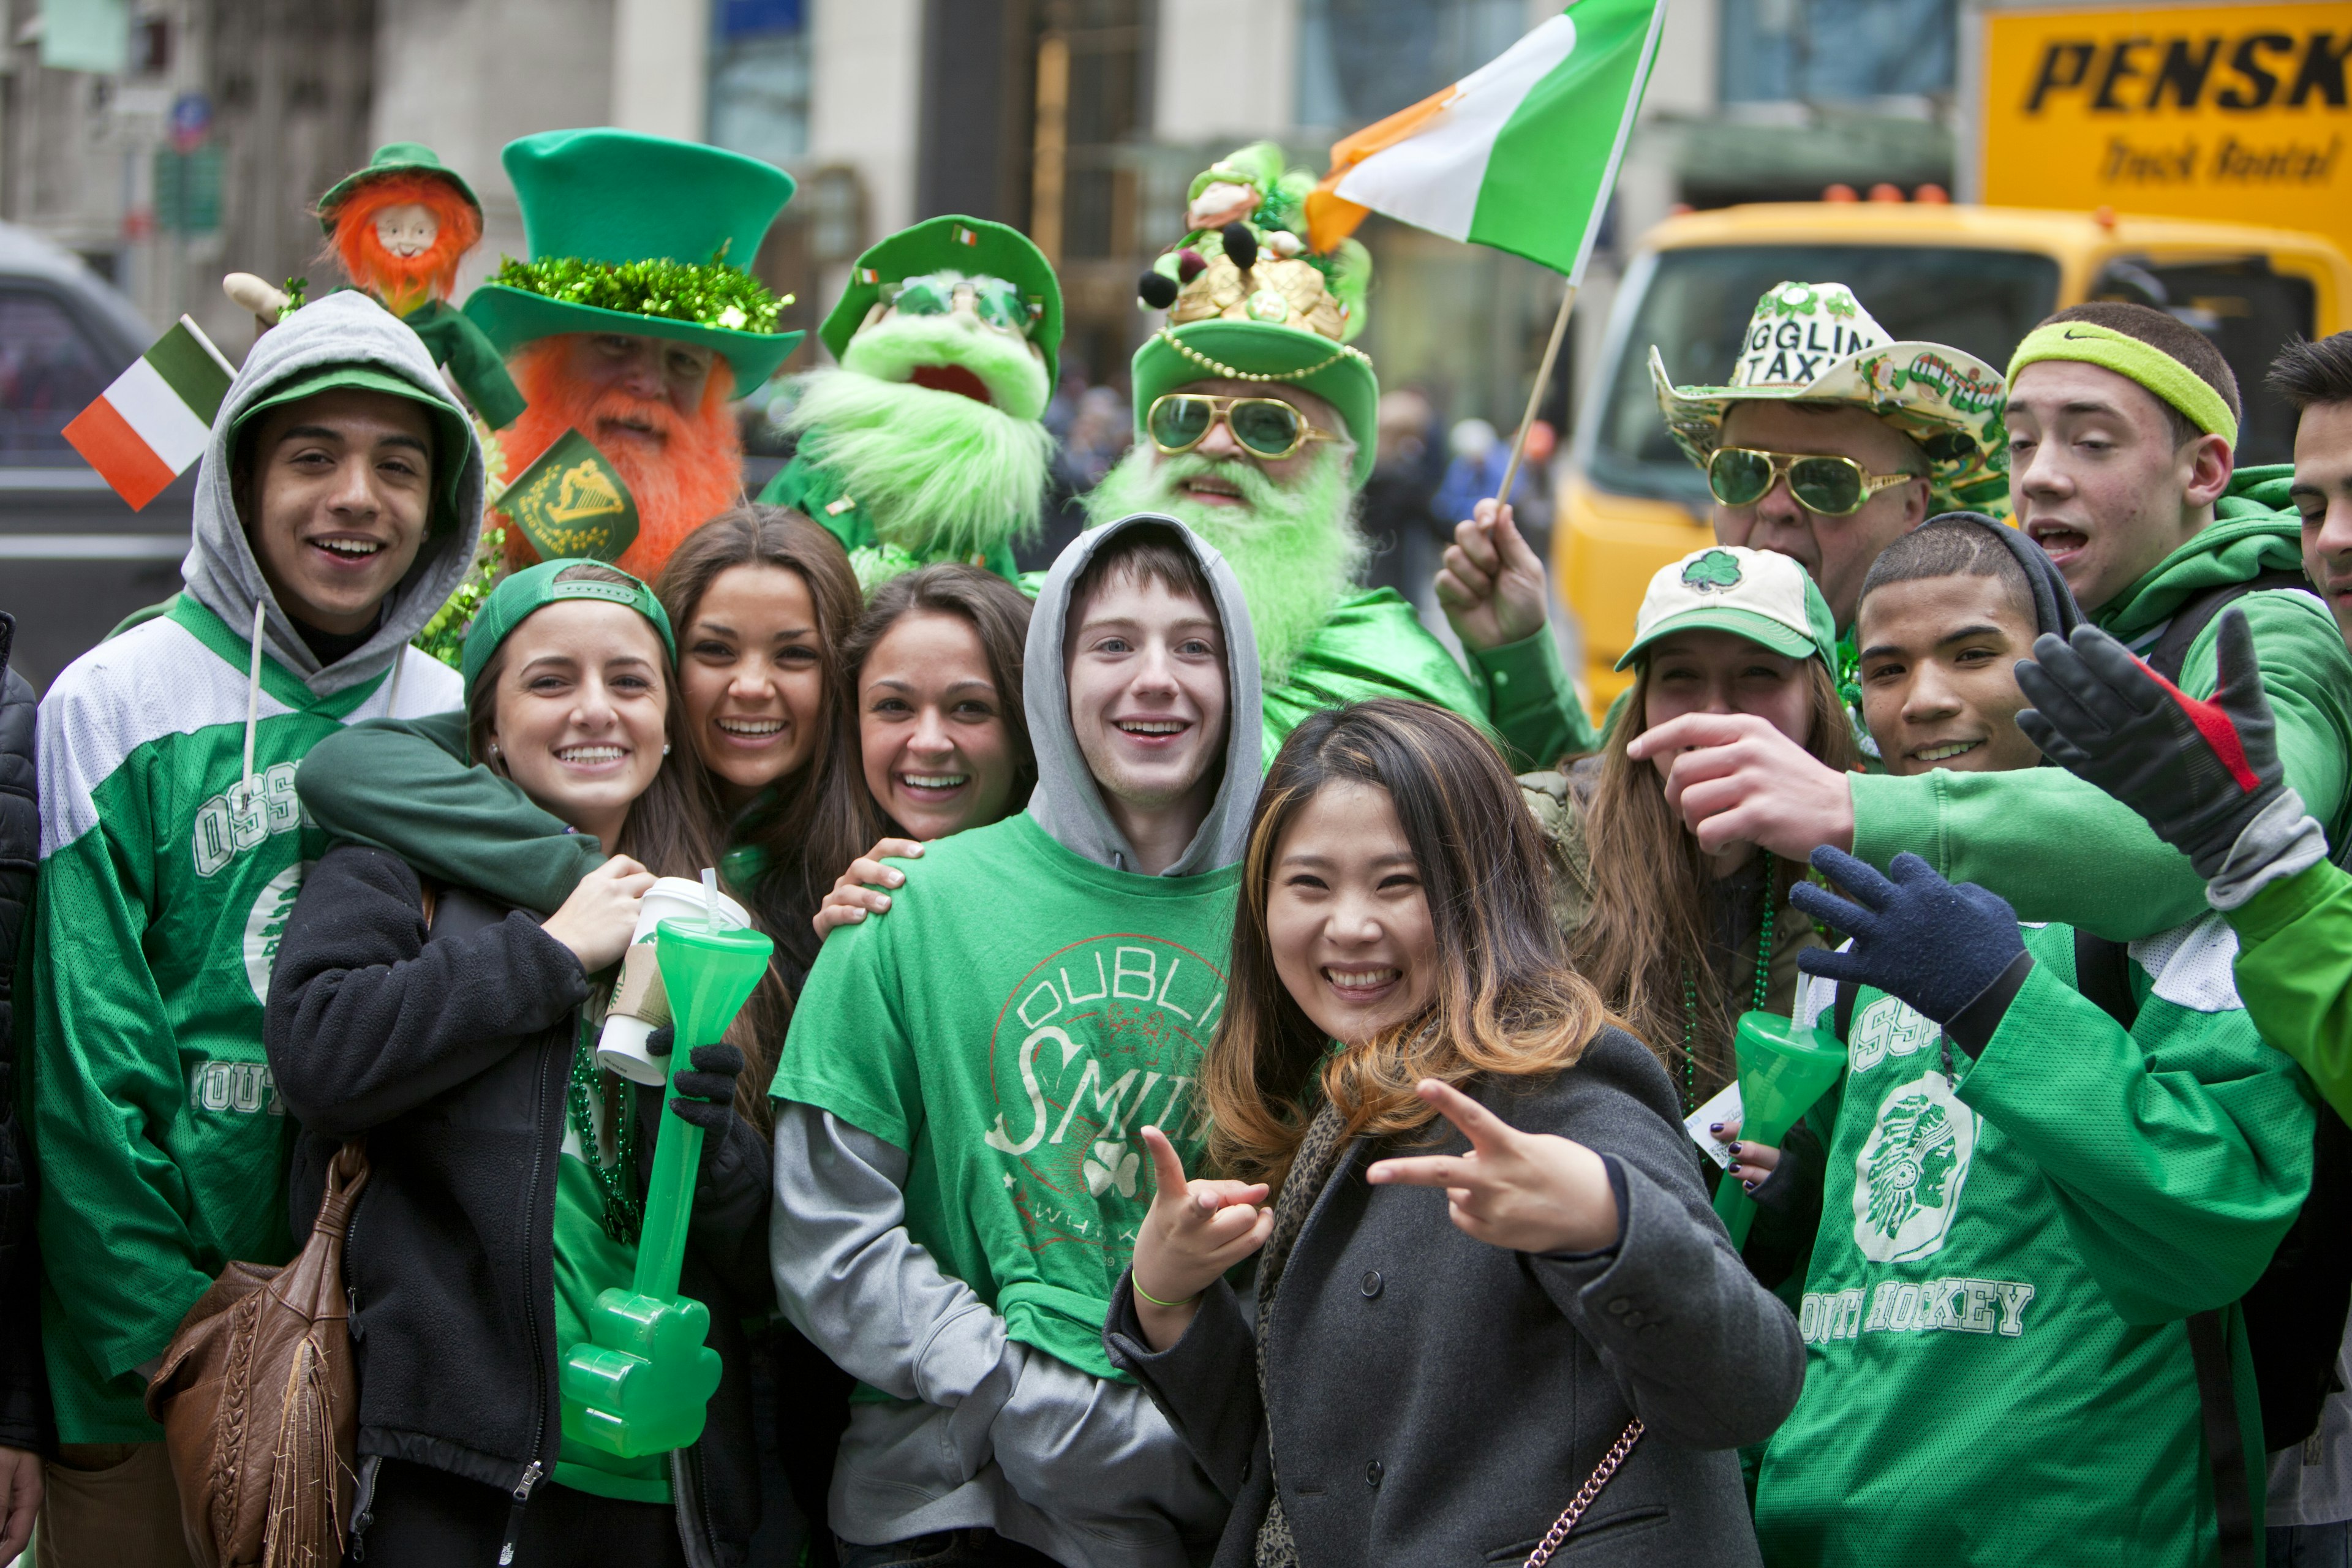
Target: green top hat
<point>643,234</point>
<point>954,244</point>
<point>1339,374</point>
<point>392,158</point>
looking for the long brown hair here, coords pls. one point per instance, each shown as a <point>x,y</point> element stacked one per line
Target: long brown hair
<point>1505,1002</point>
<point>998,614</point>
<point>1650,929</point>
<point>673,830</point>
<point>819,819</point>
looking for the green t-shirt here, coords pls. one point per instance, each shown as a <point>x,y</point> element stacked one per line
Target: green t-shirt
<point>1018,1017</point>
<point>1998,1365</point>
<point>588,1262</point>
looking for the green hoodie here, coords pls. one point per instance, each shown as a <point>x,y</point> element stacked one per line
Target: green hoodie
<point>2116,878</point>
<point>2295,970</point>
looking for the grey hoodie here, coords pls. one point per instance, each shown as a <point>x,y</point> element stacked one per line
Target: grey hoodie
<point>343,329</point>
<point>1068,803</point>
<point>991,1433</point>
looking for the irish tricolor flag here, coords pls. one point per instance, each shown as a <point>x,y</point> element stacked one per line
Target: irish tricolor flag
<point>145,430</point>
<point>1520,154</point>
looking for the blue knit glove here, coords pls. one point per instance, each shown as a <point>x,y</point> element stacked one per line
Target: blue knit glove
<point>1936,944</point>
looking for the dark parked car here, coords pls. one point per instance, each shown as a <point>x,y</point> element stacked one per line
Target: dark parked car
<point>74,558</point>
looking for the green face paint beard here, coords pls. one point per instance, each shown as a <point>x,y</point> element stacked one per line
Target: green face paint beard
<point>941,474</point>
<point>1294,547</point>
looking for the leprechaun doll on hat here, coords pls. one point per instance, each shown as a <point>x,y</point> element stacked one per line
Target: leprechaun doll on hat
<point>924,444</point>
<point>1256,426</point>
<point>636,323</point>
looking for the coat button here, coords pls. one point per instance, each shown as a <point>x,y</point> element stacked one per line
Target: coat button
<point>1633,1319</point>
<point>1372,1473</point>
<point>1371,1283</point>
<point>1617,1307</point>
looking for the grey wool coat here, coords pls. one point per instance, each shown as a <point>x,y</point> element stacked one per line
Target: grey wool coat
<point>1436,1401</point>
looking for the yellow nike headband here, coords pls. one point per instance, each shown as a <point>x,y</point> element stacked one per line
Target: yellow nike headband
<point>2127,356</point>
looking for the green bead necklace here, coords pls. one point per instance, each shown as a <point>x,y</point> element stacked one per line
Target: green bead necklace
<point>622,1213</point>
<point>1690,994</point>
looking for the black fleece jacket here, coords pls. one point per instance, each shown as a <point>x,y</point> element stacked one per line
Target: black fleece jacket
<point>25,1420</point>
<point>451,1050</point>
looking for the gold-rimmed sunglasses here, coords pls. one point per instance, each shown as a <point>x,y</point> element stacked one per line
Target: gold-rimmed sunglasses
<point>1265,427</point>
<point>1831,487</point>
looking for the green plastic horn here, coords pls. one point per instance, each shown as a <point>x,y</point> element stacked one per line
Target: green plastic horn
<point>1784,1070</point>
<point>643,1383</point>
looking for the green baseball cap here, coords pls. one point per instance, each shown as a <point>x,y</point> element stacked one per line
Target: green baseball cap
<point>660,232</point>
<point>968,244</point>
<point>393,158</point>
<point>521,594</point>
<point>453,433</point>
<point>1754,593</point>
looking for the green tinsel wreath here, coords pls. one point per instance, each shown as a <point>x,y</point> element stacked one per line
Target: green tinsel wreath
<point>708,294</point>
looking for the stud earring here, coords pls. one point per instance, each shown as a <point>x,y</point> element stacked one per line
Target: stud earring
<point>665,748</point>
<point>494,748</point>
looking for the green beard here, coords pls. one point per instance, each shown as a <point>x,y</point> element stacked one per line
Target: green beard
<point>943,475</point>
<point>1294,547</point>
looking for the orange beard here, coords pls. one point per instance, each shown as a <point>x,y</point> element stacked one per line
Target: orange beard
<point>404,282</point>
<point>692,474</point>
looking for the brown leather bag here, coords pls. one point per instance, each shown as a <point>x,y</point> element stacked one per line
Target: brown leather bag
<point>260,1404</point>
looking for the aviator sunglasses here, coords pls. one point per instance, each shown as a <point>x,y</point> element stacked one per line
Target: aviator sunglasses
<point>1831,487</point>
<point>1266,427</point>
<point>994,300</point>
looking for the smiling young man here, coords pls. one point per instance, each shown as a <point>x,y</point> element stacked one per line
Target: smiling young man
<point>2121,422</point>
<point>339,506</point>
<point>2316,379</point>
<point>2052,1170</point>
<point>958,1175</point>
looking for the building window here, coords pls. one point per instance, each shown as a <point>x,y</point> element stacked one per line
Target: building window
<point>1362,59</point>
<point>760,78</point>
<point>1836,51</point>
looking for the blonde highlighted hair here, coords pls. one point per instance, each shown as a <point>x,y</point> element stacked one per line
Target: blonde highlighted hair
<point>1506,1001</point>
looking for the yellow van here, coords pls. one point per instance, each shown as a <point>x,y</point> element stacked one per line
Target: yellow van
<point>1976,277</point>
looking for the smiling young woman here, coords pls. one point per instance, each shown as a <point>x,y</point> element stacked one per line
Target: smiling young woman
<point>1394,962</point>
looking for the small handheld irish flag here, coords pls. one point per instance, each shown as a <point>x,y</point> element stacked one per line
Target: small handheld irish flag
<point>154,422</point>
<point>1519,154</point>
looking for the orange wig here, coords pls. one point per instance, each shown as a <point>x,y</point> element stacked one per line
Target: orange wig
<point>404,282</point>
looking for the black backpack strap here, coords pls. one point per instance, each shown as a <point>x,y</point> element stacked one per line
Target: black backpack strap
<point>2209,1349</point>
<point>1842,1011</point>
<point>2196,613</point>
<point>2102,974</point>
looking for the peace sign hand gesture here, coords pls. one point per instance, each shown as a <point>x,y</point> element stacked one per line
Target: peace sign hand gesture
<point>1529,1191</point>
<point>1193,1233</point>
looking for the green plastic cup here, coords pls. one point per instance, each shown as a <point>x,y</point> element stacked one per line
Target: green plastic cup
<point>1784,1070</point>
<point>642,1385</point>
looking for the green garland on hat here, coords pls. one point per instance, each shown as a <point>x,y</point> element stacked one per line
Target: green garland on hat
<point>703,294</point>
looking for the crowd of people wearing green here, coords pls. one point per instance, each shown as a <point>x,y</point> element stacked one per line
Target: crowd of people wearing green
<point>1234,1085</point>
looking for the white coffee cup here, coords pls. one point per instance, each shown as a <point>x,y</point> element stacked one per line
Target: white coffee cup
<point>639,1005</point>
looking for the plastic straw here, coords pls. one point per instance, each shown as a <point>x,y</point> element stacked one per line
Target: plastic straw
<point>710,896</point>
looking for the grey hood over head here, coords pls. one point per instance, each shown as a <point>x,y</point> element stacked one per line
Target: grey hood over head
<point>343,329</point>
<point>1067,803</point>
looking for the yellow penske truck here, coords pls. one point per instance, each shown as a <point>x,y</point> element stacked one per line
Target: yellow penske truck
<point>2195,158</point>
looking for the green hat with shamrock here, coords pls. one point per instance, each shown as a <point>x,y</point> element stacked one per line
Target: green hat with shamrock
<point>1270,312</point>
<point>1754,593</point>
<point>643,234</point>
<point>972,246</point>
<point>393,158</point>
<point>1813,342</point>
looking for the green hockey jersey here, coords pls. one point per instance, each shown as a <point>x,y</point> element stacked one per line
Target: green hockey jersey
<point>1998,1365</point>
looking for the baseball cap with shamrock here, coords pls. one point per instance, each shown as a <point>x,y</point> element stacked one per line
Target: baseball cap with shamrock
<point>1754,593</point>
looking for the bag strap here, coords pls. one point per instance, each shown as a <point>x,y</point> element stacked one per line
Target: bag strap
<point>1842,1010</point>
<point>2209,1349</point>
<point>2171,650</point>
<point>2102,974</point>
<point>1592,1490</point>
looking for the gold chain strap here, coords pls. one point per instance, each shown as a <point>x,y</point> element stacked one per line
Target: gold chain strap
<point>1215,367</point>
<point>1583,1499</point>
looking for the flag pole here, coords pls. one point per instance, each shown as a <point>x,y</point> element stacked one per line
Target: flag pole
<point>1535,396</point>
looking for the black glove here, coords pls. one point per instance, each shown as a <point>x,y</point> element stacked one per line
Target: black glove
<point>2198,771</point>
<point>710,1079</point>
<point>1936,944</point>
